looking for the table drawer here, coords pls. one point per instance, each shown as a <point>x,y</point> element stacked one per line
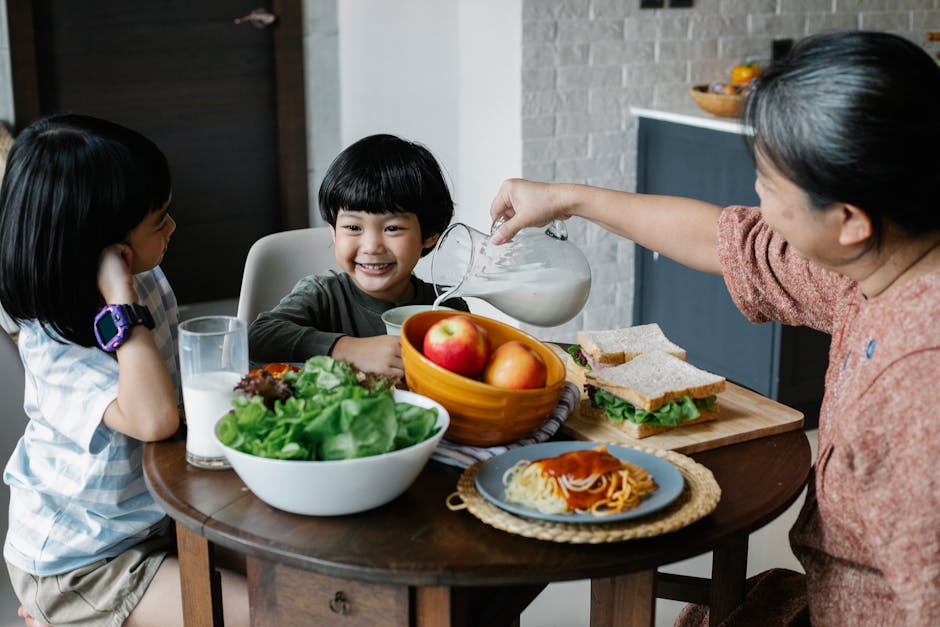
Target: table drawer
<point>281,595</point>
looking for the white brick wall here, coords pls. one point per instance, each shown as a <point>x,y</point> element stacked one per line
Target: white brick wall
<point>586,62</point>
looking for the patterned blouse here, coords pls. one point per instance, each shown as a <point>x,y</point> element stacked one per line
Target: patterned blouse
<point>869,533</point>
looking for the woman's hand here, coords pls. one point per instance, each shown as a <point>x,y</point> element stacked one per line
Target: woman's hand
<point>380,354</point>
<point>526,203</point>
<point>115,281</point>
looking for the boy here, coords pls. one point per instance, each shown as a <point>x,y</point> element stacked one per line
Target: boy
<point>387,204</point>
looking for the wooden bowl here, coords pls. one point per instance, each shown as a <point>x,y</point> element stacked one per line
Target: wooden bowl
<point>480,414</point>
<point>723,105</point>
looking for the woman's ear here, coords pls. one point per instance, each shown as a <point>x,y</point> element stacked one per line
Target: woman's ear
<point>856,227</point>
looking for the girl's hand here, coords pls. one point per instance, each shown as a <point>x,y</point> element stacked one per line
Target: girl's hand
<point>29,620</point>
<point>526,203</point>
<point>114,274</point>
<point>380,354</point>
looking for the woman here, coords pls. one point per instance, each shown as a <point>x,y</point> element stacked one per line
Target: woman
<point>845,136</point>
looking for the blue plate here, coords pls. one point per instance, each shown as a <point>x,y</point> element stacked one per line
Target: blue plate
<point>489,480</point>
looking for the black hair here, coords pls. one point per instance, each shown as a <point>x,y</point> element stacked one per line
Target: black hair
<point>73,186</point>
<point>382,174</point>
<point>852,117</point>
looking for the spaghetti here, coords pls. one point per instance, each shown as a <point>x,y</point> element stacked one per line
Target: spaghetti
<point>586,481</point>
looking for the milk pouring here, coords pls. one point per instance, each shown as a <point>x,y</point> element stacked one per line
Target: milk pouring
<point>538,278</point>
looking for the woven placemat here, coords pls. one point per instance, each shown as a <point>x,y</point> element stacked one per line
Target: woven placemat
<point>698,499</point>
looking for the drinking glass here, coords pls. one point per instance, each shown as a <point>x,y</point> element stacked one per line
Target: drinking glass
<point>213,359</point>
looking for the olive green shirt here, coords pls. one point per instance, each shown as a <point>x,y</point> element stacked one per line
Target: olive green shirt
<point>320,310</point>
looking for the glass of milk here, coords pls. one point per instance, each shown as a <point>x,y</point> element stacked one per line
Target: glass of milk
<point>213,359</point>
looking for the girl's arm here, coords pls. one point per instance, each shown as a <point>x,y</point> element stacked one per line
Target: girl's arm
<point>680,228</point>
<point>145,407</point>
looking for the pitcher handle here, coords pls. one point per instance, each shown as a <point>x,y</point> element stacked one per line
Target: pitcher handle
<point>557,230</point>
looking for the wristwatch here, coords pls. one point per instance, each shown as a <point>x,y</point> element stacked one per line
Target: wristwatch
<point>113,324</point>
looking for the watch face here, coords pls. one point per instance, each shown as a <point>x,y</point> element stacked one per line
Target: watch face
<point>111,325</point>
<point>106,328</point>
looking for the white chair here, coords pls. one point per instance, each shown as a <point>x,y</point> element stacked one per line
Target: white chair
<point>12,424</point>
<point>276,262</point>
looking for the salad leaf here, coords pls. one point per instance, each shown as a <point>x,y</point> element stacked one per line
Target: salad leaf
<point>333,413</point>
<point>669,415</point>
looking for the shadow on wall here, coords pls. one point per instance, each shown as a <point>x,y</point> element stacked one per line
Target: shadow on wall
<point>12,424</point>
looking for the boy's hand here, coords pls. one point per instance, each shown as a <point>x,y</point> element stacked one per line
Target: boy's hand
<point>380,354</point>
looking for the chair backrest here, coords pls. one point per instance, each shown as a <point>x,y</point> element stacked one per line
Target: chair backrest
<point>12,424</point>
<point>276,262</point>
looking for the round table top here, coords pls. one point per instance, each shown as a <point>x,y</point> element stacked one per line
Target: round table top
<point>416,540</point>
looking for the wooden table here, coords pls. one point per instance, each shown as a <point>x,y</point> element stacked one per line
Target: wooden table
<point>414,562</point>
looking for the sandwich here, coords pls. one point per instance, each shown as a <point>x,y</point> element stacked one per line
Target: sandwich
<point>596,350</point>
<point>652,393</point>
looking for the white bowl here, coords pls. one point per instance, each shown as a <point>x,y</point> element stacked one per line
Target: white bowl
<point>347,486</point>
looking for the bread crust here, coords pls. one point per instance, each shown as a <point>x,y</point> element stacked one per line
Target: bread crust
<point>587,408</point>
<point>618,346</point>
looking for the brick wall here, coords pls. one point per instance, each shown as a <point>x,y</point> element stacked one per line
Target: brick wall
<point>586,62</point>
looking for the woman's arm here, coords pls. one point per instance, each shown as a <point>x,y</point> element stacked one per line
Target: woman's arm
<point>145,407</point>
<point>680,228</point>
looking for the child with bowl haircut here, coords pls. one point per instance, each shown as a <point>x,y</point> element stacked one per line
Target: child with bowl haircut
<point>387,204</point>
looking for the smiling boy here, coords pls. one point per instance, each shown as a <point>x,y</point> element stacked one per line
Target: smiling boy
<point>387,204</point>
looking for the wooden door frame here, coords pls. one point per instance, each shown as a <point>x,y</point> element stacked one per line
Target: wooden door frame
<point>289,81</point>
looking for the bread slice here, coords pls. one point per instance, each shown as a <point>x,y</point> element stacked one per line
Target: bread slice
<point>651,380</point>
<point>576,373</point>
<point>642,430</point>
<point>617,346</point>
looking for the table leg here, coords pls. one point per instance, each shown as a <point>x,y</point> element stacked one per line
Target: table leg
<point>435,606</point>
<point>729,570</point>
<point>624,601</point>
<point>200,582</point>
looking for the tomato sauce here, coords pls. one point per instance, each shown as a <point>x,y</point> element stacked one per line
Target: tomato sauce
<point>580,465</point>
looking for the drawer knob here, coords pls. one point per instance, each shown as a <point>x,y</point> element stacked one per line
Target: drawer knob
<point>339,604</point>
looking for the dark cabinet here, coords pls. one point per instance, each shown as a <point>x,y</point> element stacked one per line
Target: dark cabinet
<point>694,309</point>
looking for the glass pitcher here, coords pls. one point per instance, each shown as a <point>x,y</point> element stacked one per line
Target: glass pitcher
<point>538,277</point>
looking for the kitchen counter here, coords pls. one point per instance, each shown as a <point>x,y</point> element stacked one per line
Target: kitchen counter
<point>691,116</point>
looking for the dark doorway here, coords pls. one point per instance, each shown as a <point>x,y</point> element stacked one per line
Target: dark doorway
<point>223,100</point>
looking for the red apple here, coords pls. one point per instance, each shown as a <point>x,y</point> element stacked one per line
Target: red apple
<point>514,365</point>
<point>458,344</point>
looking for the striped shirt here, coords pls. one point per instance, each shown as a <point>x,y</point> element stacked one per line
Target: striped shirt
<point>77,491</point>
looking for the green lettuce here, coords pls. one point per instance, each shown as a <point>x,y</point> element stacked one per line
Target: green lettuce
<point>331,416</point>
<point>669,415</point>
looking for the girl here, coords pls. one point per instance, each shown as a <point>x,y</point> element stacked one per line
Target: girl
<point>847,241</point>
<point>84,223</point>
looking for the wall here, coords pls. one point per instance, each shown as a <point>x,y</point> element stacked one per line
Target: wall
<point>586,62</point>
<point>445,74</point>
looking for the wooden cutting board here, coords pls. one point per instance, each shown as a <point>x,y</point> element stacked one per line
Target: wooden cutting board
<point>743,415</point>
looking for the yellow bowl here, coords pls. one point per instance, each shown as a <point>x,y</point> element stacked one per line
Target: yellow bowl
<point>480,414</point>
<point>724,105</point>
